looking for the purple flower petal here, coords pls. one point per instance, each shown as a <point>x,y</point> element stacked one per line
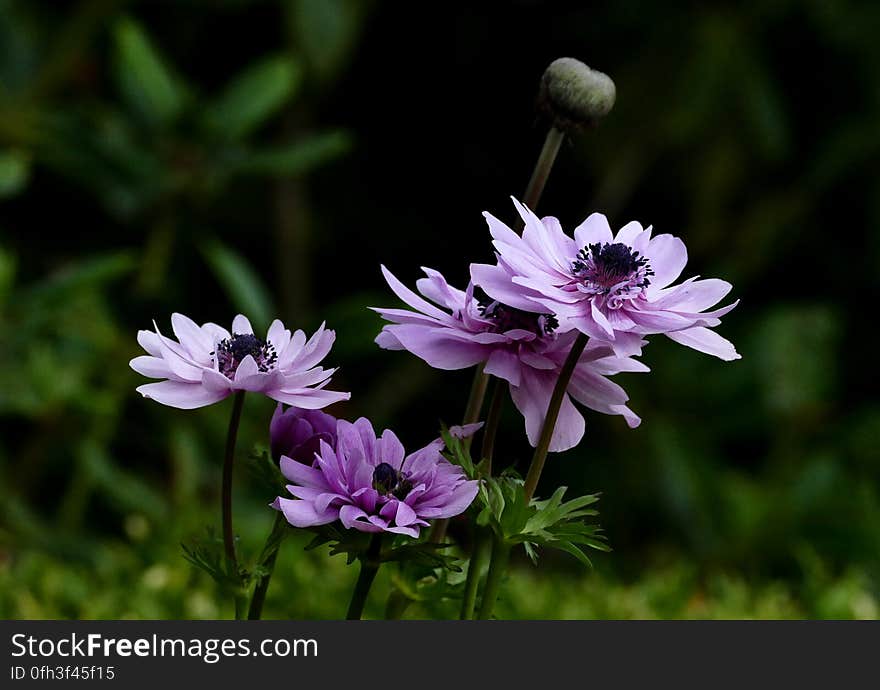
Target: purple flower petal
<point>707,341</point>
<point>241,325</point>
<point>668,257</point>
<point>184,396</point>
<point>303,514</point>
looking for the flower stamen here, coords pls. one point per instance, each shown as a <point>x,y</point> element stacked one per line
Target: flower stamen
<point>612,270</point>
<point>231,351</point>
<point>388,481</point>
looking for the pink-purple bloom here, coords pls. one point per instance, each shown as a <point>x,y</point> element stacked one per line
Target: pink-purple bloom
<point>298,433</point>
<point>207,363</point>
<point>523,348</point>
<point>369,484</point>
<point>616,288</point>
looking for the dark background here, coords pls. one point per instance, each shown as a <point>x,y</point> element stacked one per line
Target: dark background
<point>136,184</point>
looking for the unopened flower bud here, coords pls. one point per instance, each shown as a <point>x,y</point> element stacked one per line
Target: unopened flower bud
<point>573,96</point>
<point>298,433</point>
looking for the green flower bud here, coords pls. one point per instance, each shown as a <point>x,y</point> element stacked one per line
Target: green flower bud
<point>574,96</point>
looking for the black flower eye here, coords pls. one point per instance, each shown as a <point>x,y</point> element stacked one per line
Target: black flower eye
<point>384,478</point>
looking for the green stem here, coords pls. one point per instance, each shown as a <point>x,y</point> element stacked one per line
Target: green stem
<point>267,562</point>
<point>478,558</point>
<point>397,605</point>
<point>226,499</point>
<point>540,456</point>
<point>497,568</point>
<point>471,415</point>
<point>542,169</point>
<point>370,563</point>
<point>492,420</point>
<point>476,397</point>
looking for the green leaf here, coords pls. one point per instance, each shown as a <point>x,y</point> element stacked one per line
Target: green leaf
<point>72,280</point>
<point>457,452</point>
<point>266,471</point>
<point>8,262</point>
<point>208,554</point>
<point>15,171</point>
<point>253,97</point>
<point>245,289</point>
<point>326,30</point>
<point>293,159</point>
<point>143,78</point>
<point>424,554</point>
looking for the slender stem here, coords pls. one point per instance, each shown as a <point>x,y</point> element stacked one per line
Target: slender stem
<point>471,415</point>
<point>540,456</point>
<point>500,551</point>
<point>492,419</point>
<point>397,605</point>
<point>226,495</point>
<point>370,563</point>
<point>478,558</point>
<point>267,562</point>
<point>497,568</point>
<point>542,168</point>
<point>475,399</point>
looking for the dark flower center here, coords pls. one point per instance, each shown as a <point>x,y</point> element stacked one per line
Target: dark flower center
<point>614,270</point>
<point>507,318</point>
<point>387,480</point>
<point>231,351</point>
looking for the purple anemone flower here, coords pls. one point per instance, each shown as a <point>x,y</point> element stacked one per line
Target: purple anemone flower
<point>367,484</point>
<point>521,347</point>
<point>615,288</point>
<point>207,363</point>
<point>297,433</point>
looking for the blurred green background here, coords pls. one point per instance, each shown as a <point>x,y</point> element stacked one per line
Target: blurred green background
<point>267,156</point>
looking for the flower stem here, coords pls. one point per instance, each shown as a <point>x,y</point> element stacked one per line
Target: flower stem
<point>540,456</point>
<point>478,558</point>
<point>477,394</point>
<point>542,168</point>
<point>267,562</point>
<point>492,419</point>
<point>471,414</point>
<point>370,563</point>
<point>497,568</point>
<point>397,605</point>
<point>500,551</point>
<point>226,500</point>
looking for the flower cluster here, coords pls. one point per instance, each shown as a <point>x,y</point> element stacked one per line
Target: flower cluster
<point>544,289</point>
<point>552,320</point>
<point>523,348</point>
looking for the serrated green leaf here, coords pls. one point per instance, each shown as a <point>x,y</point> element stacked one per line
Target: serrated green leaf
<point>243,286</point>
<point>266,471</point>
<point>253,97</point>
<point>144,79</point>
<point>208,554</point>
<point>568,547</point>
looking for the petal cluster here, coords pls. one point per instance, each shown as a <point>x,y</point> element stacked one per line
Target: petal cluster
<point>368,483</point>
<point>207,363</point>
<point>449,329</point>
<point>612,287</point>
